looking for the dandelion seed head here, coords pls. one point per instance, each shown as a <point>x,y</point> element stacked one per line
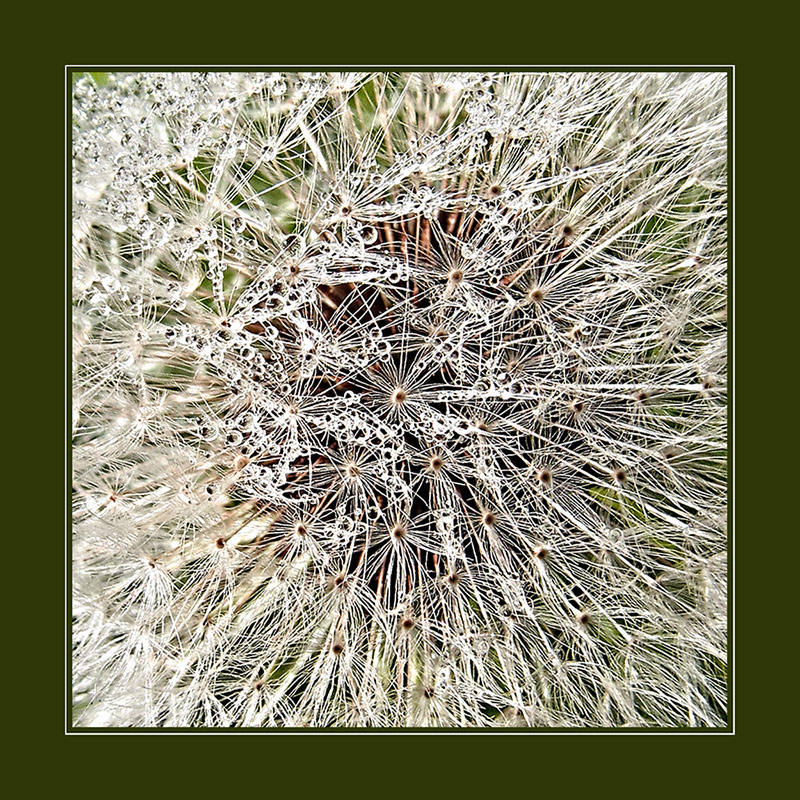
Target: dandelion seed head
<point>399,399</point>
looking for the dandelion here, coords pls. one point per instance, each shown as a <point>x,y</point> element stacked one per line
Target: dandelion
<point>399,400</point>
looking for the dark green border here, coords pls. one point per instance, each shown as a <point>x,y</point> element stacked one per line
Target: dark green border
<point>72,72</point>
